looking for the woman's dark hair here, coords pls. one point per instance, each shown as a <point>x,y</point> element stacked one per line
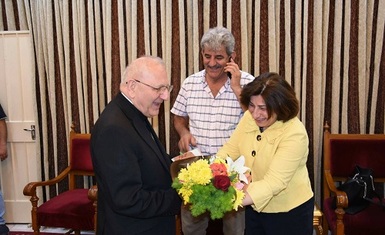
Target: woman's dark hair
<point>279,96</point>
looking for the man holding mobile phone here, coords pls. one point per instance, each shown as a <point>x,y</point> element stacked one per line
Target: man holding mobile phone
<point>207,110</point>
<point>228,73</point>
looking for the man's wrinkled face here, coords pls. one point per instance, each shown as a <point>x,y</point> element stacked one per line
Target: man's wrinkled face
<point>215,61</point>
<point>148,98</point>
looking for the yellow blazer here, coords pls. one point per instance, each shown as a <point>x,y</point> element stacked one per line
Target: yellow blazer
<point>277,159</point>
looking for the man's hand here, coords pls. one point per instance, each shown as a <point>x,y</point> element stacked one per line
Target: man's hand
<point>3,140</point>
<point>233,68</point>
<point>3,152</point>
<point>186,141</point>
<point>235,82</point>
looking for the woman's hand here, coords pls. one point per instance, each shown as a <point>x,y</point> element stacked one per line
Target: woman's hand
<point>247,199</point>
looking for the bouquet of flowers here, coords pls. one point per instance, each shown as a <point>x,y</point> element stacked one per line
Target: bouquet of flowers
<point>213,185</point>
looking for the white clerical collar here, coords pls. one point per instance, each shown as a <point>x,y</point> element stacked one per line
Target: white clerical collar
<point>126,97</point>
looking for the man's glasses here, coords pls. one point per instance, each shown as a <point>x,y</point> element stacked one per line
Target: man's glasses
<point>160,89</point>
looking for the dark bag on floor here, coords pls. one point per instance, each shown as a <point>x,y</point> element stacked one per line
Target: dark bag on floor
<point>360,190</point>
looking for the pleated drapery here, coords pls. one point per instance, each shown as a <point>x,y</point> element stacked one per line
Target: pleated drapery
<point>331,52</point>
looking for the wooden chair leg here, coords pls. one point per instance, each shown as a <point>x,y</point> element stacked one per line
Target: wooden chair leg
<point>35,227</point>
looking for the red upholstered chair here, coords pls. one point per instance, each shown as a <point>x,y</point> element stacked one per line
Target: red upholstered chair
<point>341,153</point>
<point>70,209</point>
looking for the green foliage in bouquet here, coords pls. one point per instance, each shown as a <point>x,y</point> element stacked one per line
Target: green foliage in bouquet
<point>208,198</point>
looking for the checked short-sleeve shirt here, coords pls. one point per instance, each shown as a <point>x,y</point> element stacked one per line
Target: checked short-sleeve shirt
<point>212,120</point>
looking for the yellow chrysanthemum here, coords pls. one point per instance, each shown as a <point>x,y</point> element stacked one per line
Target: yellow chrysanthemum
<point>186,192</point>
<point>238,199</point>
<point>197,173</point>
<point>220,160</point>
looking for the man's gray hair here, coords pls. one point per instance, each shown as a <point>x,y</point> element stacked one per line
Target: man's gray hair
<point>216,37</point>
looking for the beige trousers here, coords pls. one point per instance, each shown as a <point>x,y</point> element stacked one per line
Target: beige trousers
<point>233,222</point>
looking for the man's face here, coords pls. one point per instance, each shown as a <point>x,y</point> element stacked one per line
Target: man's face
<point>147,99</point>
<point>214,62</point>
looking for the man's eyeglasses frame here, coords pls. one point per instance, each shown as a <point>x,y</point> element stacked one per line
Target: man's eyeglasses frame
<point>160,89</point>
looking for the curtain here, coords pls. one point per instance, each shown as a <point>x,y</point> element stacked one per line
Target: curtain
<point>331,52</point>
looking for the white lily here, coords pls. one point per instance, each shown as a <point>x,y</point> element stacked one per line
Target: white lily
<point>239,167</point>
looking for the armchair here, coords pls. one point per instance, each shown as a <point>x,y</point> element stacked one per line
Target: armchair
<point>341,153</point>
<point>70,209</point>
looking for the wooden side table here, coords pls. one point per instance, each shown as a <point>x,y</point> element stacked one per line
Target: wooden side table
<point>317,220</point>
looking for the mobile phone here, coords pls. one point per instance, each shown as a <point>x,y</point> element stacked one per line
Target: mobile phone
<point>228,73</point>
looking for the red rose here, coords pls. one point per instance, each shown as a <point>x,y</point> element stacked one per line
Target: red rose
<point>222,182</point>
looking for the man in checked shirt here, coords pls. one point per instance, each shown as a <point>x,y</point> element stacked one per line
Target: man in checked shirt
<point>207,110</point>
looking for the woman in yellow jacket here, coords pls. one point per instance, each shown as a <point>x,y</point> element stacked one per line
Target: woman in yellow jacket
<point>274,142</point>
